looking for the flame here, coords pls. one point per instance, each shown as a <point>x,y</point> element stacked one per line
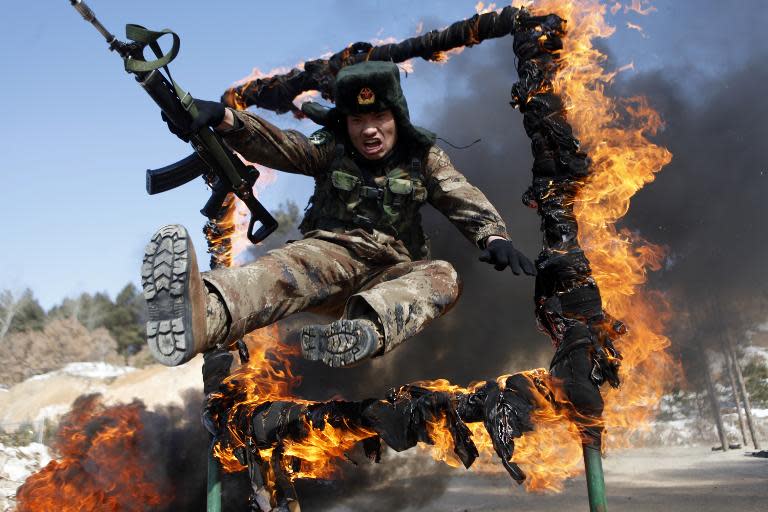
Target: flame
<point>101,466</point>
<point>220,233</point>
<point>227,236</point>
<point>634,26</point>
<point>268,377</point>
<point>547,463</point>
<point>443,57</point>
<point>235,98</point>
<point>552,452</point>
<point>642,7</point>
<point>623,161</point>
<point>482,8</point>
<point>616,133</point>
<point>323,446</point>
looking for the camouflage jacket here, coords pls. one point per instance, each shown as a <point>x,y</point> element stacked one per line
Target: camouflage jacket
<point>447,189</point>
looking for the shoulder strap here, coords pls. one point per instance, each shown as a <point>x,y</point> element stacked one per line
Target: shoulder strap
<point>416,168</point>
<point>147,37</point>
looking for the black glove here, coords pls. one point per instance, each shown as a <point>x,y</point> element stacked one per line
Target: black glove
<point>209,113</point>
<point>502,254</point>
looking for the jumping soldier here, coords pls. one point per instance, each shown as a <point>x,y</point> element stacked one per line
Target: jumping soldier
<point>364,257</point>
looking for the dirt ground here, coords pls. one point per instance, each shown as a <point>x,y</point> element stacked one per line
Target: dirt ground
<point>674,479</point>
<point>677,479</point>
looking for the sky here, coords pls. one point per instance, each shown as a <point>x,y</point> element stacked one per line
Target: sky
<point>79,133</point>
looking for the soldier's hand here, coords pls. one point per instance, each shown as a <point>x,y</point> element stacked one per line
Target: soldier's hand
<point>502,254</point>
<point>209,113</point>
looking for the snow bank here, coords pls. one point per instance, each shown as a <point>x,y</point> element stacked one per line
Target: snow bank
<point>16,464</point>
<point>88,370</point>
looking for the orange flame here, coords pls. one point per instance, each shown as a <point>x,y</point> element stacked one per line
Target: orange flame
<point>101,468</point>
<point>322,447</point>
<point>268,377</point>
<point>230,241</point>
<point>615,133</point>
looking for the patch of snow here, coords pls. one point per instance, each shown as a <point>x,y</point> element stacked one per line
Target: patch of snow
<point>88,370</point>
<point>51,411</point>
<point>20,462</point>
<point>761,352</point>
<point>96,370</point>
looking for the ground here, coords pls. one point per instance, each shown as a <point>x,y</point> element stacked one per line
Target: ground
<point>676,479</point>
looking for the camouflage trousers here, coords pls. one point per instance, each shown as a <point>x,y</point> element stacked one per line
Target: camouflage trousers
<point>349,275</point>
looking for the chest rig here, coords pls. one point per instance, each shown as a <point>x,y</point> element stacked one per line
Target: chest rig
<point>350,197</point>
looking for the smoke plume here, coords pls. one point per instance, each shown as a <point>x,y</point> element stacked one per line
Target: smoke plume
<point>707,208</point>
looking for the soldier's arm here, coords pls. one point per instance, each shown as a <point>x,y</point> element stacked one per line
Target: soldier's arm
<point>464,204</point>
<point>263,143</point>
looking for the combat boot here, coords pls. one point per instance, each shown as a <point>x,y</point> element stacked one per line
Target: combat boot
<point>341,343</point>
<point>176,297</point>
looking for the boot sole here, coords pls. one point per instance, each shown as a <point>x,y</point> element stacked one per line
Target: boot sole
<point>169,262</point>
<point>342,343</point>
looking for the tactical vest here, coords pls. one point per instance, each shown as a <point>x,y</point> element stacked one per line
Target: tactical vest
<point>349,197</point>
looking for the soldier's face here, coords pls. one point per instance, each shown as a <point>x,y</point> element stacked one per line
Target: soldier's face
<point>374,134</point>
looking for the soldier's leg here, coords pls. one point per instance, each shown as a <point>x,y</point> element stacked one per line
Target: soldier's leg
<point>396,304</point>
<point>406,297</point>
<point>189,314</point>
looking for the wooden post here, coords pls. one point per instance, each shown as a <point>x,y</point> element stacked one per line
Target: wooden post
<point>713,402</point>
<point>736,393</point>
<point>743,390</point>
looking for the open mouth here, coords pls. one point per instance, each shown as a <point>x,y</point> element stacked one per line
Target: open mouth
<point>372,146</point>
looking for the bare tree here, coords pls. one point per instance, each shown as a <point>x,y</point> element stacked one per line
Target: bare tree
<point>19,306</point>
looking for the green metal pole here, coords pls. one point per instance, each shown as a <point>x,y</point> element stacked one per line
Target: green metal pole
<point>593,465</point>
<point>214,481</point>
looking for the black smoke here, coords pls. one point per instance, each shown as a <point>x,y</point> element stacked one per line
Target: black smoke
<point>708,208</point>
<point>491,331</point>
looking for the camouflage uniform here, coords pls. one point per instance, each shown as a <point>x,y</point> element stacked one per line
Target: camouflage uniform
<point>345,269</point>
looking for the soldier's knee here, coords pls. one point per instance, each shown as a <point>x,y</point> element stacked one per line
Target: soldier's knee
<point>273,272</point>
<point>443,269</point>
<point>446,281</point>
<point>442,266</point>
<point>283,271</point>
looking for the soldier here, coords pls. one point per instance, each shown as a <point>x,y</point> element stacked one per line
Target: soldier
<point>364,257</point>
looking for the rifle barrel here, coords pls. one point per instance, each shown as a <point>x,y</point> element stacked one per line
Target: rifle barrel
<point>90,17</point>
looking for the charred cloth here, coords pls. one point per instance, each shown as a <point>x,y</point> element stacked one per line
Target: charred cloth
<point>268,437</point>
<point>277,92</point>
<point>401,420</point>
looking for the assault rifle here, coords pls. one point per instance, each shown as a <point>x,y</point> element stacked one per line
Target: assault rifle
<point>222,170</point>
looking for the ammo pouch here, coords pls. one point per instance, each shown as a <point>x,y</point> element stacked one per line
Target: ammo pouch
<point>350,197</point>
<point>371,204</point>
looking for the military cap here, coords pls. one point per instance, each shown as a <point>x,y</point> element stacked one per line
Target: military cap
<point>371,86</point>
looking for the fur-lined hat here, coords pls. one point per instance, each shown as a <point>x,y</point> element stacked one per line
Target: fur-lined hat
<point>370,86</point>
